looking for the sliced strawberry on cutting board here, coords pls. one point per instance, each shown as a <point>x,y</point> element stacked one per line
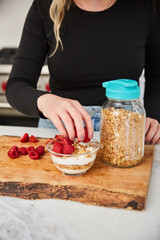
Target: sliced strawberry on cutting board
<point>24,138</point>
<point>32,138</point>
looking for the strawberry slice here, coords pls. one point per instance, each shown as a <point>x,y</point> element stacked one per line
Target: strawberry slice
<point>57,144</point>
<point>30,148</point>
<point>68,149</point>
<point>67,141</point>
<point>33,154</point>
<point>86,138</point>
<point>33,139</point>
<point>40,149</point>
<point>22,151</point>
<point>13,153</point>
<point>59,137</point>
<point>57,149</point>
<point>24,138</point>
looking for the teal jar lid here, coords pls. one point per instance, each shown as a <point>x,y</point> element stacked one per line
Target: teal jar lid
<point>122,89</point>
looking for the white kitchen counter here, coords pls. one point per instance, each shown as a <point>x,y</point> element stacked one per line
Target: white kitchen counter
<point>66,220</point>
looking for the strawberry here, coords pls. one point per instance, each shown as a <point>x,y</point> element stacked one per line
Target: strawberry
<point>30,148</point>
<point>67,141</point>
<point>86,138</point>
<point>24,138</point>
<point>13,153</point>
<point>51,140</point>
<point>68,149</point>
<point>40,149</point>
<point>33,154</point>
<point>59,137</point>
<point>33,139</point>
<point>58,149</point>
<point>22,151</point>
<point>14,147</point>
<point>57,144</point>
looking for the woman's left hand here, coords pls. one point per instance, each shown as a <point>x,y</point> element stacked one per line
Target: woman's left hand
<point>152,131</point>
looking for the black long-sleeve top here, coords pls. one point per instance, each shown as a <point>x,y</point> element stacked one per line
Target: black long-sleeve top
<point>97,46</point>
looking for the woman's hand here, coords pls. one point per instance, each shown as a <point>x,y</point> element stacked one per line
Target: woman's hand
<point>152,131</point>
<point>71,112</point>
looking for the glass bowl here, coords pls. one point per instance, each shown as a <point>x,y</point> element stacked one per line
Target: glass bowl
<point>75,164</point>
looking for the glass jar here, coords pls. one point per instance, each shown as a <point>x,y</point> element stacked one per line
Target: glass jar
<point>122,130</point>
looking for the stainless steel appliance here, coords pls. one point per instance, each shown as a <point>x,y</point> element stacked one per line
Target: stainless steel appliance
<point>9,115</point>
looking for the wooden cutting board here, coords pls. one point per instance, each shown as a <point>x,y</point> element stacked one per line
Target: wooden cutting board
<point>101,185</point>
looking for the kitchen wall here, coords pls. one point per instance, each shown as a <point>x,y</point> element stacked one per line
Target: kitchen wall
<point>12,17</point>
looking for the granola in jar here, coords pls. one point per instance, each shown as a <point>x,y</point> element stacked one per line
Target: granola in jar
<point>122,124</point>
<point>122,137</point>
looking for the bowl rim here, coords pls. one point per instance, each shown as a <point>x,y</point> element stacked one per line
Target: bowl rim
<point>74,155</point>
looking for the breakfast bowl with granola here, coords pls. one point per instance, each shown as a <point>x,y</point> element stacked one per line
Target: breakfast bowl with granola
<point>73,157</point>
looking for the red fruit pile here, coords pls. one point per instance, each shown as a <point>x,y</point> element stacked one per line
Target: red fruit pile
<point>63,145</point>
<point>25,138</point>
<point>34,153</point>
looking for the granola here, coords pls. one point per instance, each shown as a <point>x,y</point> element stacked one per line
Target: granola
<point>122,137</point>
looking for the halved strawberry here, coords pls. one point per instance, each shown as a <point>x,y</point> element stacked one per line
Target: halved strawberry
<point>57,144</point>
<point>34,154</point>
<point>67,141</point>
<point>68,149</point>
<point>51,140</point>
<point>57,149</point>
<point>33,139</point>
<point>24,138</point>
<point>22,151</point>
<point>59,137</point>
<point>40,149</point>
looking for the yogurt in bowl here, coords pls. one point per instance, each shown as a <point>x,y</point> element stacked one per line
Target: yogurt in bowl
<point>79,161</point>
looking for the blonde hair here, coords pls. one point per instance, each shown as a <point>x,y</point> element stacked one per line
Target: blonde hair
<point>57,12</point>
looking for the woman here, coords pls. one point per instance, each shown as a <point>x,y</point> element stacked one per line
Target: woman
<point>93,41</point>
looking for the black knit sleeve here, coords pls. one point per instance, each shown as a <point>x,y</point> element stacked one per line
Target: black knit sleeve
<point>152,68</point>
<point>21,89</point>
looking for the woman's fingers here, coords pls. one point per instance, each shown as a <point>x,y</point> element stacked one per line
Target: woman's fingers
<point>152,130</point>
<point>77,119</point>
<point>59,125</point>
<point>156,138</point>
<point>71,112</point>
<point>147,126</point>
<point>68,122</point>
<point>86,118</point>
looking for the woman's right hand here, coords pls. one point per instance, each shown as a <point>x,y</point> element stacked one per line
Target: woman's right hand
<point>69,111</point>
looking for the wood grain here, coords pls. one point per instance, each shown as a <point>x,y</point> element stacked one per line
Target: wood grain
<point>101,185</point>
